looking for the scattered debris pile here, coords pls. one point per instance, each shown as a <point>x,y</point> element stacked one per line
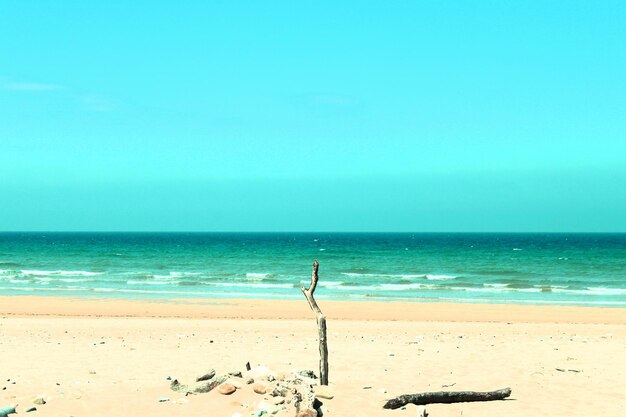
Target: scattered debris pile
<point>295,393</point>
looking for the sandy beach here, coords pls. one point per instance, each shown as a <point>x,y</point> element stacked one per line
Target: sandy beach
<point>95,357</point>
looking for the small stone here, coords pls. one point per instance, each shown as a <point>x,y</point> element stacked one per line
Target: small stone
<point>259,388</point>
<point>168,378</point>
<point>206,376</point>
<point>163,399</point>
<point>277,400</point>
<point>275,409</point>
<point>226,389</point>
<point>39,401</point>
<point>307,413</point>
<point>235,383</point>
<point>324,392</point>
<point>31,409</point>
<point>92,372</point>
<point>308,374</point>
<point>250,381</point>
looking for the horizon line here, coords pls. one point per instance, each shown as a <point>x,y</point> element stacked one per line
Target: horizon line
<point>305,232</point>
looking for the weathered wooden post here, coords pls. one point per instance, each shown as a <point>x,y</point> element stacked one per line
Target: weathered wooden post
<point>321,324</point>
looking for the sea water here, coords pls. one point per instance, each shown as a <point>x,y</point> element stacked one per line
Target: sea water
<point>579,269</point>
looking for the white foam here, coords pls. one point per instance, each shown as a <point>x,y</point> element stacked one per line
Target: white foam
<point>404,276</point>
<point>330,283</point>
<point>606,291</point>
<point>257,275</point>
<point>36,272</point>
<point>149,282</point>
<point>439,277</point>
<point>386,287</point>
<point>249,285</point>
<point>492,289</point>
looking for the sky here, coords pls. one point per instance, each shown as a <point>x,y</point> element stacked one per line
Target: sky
<point>452,116</point>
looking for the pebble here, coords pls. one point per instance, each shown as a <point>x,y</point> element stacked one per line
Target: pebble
<point>31,409</point>
<point>259,388</point>
<point>277,400</point>
<point>226,389</point>
<point>275,409</point>
<point>206,376</point>
<point>235,383</point>
<point>307,413</point>
<point>163,399</point>
<point>39,400</point>
<point>5,411</point>
<point>324,392</point>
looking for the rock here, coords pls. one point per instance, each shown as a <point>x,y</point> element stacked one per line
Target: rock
<point>31,409</point>
<point>235,383</point>
<point>163,399</point>
<point>235,374</point>
<point>260,413</point>
<point>168,378</point>
<point>260,372</point>
<point>226,389</point>
<point>275,409</point>
<point>324,392</point>
<point>250,381</point>
<point>307,413</point>
<point>39,400</point>
<point>307,373</point>
<point>280,391</point>
<point>206,376</point>
<point>277,400</point>
<point>259,388</point>
<point>5,411</point>
<point>198,387</point>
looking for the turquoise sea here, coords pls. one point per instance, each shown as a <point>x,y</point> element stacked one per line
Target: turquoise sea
<point>579,269</point>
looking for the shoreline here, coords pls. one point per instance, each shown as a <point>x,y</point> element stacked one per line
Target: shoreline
<point>273,309</point>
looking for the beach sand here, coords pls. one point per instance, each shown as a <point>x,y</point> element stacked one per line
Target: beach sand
<point>95,357</point>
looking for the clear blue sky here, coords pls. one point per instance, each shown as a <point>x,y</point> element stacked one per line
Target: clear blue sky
<point>282,116</point>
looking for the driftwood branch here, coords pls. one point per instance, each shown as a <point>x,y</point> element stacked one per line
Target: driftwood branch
<point>443,397</point>
<point>321,323</point>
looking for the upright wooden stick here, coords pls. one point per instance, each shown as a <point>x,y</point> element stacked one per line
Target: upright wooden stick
<point>321,324</point>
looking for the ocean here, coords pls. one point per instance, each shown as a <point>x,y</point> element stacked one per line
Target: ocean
<point>565,269</point>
